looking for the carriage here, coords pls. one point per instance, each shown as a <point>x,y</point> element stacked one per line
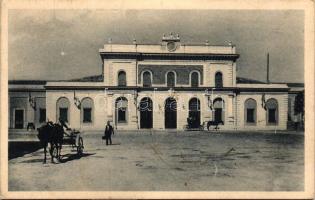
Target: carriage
<point>72,138</point>
<point>187,127</point>
<point>193,126</point>
<point>214,123</point>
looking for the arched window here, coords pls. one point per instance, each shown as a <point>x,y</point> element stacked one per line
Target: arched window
<point>218,80</point>
<point>122,78</point>
<point>121,110</point>
<point>87,110</point>
<point>194,79</point>
<point>250,111</point>
<point>147,79</point>
<point>218,105</point>
<point>170,79</point>
<point>272,111</point>
<point>63,107</point>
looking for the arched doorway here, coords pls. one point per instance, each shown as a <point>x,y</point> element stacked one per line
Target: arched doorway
<point>194,112</point>
<point>146,113</point>
<point>218,105</point>
<point>170,113</point>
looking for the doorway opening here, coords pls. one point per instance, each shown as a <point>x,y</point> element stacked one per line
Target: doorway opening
<point>170,113</point>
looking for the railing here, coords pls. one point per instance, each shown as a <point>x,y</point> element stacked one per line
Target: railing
<point>208,49</point>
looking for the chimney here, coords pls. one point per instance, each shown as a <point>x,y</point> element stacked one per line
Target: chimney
<point>268,81</point>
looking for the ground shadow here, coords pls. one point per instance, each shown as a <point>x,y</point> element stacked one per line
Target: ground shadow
<point>37,160</point>
<point>69,157</point>
<point>116,144</point>
<point>20,148</point>
<point>112,144</point>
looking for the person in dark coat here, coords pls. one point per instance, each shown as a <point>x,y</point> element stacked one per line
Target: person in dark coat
<point>66,128</point>
<point>63,124</point>
<point>189,121</point>
<point>109,130</point>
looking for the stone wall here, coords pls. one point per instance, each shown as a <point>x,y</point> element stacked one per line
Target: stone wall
<point>261,124</point>
<point>112,68</point>
<point>20,100</point>
<point>207,70</point>
<point>99,112</point>
<point>104,108</point>
<point>159,73</point>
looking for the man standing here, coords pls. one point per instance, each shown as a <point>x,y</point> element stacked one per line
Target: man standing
<point>108,133</point>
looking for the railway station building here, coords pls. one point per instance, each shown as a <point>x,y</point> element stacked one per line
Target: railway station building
<point>155,86</point>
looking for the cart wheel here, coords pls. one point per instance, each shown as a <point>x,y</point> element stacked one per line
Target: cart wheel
<point>80,146</point>
<point>54,151</point>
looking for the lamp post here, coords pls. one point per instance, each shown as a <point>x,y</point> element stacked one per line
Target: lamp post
<point>135,101</point>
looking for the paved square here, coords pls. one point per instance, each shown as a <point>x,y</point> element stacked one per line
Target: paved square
<point>166,161</point>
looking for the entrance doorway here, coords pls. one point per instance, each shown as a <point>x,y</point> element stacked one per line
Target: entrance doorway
<point>19,118</point>
<point>218,115</point>
<point>194,112</point>
<point>170,113</point>
<point>146,113</point>
<point>218,105</point>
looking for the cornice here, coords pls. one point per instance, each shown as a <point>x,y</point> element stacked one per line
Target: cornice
<point>139,89</point>
<point>167,56</point>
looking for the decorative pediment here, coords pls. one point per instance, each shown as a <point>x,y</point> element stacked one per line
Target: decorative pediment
<point>171,38</point>
<point>171,41</point>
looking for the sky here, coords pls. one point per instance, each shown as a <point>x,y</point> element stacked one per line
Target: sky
<point>64,44</point>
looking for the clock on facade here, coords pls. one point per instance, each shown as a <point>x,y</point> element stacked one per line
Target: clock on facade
<point>171,46</point>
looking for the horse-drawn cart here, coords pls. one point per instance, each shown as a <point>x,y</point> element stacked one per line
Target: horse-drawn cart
<point>75,140</point>
<point>55,135</point>
<point>72,138</point>
<point>206,125</point>
<point>189,127</point>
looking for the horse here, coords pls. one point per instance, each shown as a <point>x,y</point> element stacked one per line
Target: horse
<point>214,123</point>
<point>51,134</point>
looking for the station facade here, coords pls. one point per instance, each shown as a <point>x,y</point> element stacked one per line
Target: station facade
<point>156,86</point>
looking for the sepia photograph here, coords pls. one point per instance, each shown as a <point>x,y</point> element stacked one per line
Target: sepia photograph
<point>124,99</point>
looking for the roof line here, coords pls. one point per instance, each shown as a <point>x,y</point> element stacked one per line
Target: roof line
<point>181,44</point>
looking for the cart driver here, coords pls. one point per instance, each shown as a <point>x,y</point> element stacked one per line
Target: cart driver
<point>64,125</point>
<point>189,121</point>
<point>50,123</point>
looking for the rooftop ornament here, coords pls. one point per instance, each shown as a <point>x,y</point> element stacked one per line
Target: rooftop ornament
<point>171,37</point>
<point>229,42</point>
